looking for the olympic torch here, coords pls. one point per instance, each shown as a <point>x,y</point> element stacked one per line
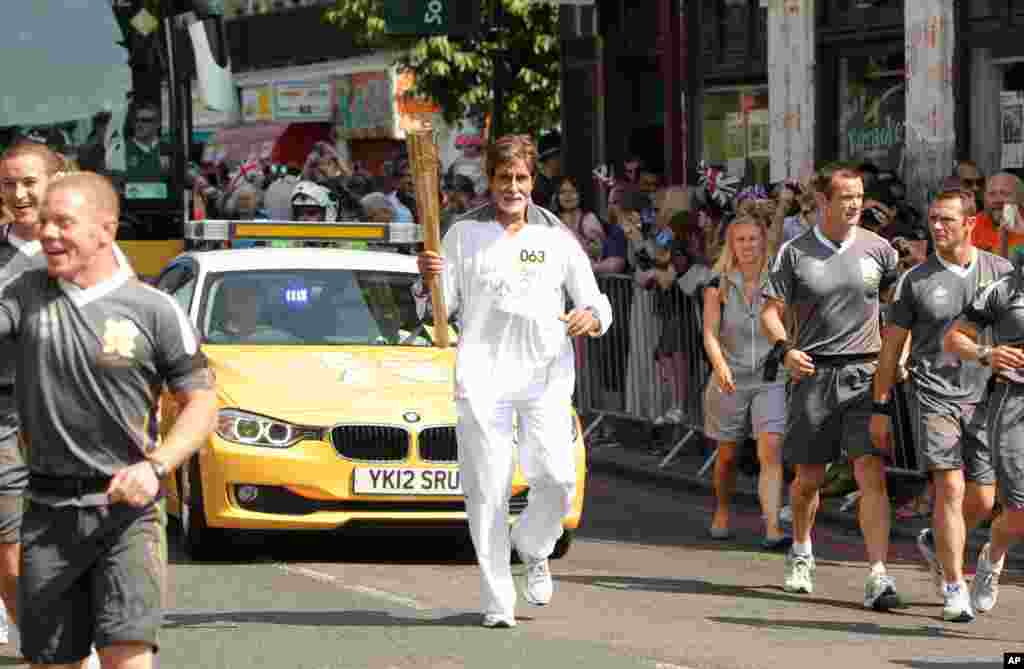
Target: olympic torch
<point>424,164</point>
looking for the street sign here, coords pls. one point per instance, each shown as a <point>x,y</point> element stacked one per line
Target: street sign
<point>431,17</point>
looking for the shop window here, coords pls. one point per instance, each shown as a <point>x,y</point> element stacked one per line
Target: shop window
<point>872,110</point>
<point>997,112</point>
<point>735,124</point>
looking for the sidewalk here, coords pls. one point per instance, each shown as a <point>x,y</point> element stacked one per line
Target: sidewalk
<point>640,463</point>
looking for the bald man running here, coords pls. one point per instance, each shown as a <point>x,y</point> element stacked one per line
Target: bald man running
<point>92,569</point>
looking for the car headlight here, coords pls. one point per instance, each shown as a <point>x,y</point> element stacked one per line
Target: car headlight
<point>242,427</point>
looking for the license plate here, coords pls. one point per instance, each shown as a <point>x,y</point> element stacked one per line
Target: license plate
<point>406,481</point>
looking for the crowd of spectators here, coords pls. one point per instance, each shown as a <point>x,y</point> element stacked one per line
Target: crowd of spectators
<point>653,369</point>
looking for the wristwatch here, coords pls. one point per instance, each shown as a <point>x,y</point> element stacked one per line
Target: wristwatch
<point>593,312</point>
<point>985,355</point>
<point>159,468</point>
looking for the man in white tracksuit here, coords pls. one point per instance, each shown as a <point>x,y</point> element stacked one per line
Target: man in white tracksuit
<point>505,269</point>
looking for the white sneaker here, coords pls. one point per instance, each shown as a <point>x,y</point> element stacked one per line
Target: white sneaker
<point>5,625</point>
<point>93,661</point>
<point>985,586</point>
<point>880,593</point>
<point>494,621</point>
<point>926,547</point>
<point>799,573</point>
<point>957,603</point>
<point>539,587</point>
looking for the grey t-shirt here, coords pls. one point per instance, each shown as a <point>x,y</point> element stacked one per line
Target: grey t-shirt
<point>16,257</point>
<point>742,339</point>
<point>1001,307</point>
<point>833,290</point>
<point>91,367</point>
<point>928,299</point>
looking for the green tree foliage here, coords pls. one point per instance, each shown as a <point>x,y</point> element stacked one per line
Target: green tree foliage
<point>457,73</point>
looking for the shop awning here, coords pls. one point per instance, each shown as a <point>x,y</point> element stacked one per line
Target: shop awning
<point>279,142</point>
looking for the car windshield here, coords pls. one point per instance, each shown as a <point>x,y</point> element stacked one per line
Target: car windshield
<point>312,308</point>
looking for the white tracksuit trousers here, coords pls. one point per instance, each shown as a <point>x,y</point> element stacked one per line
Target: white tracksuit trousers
<point>487,463</point>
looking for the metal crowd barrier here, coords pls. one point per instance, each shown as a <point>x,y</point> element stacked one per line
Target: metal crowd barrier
<point>650,363</point>
<point>629,373</point>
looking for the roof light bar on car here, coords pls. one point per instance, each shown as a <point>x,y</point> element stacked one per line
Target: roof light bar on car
<point>226,231</point>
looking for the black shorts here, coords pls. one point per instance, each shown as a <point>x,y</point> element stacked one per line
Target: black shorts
<point>946,440</point>
<point>89,575</point>
<point>1006,436</point>
<point>829,415</point>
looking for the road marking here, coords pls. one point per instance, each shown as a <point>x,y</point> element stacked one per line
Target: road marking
<point>360,589</point>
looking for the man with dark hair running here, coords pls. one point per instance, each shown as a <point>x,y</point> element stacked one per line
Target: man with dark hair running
<point>947,416</point>
<point>1000,306</point>
<point>831,278</point>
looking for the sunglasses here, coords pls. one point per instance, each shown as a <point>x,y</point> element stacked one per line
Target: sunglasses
<point>971,183</point>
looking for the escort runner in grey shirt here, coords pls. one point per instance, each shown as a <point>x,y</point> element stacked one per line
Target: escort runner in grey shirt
<point>90,359</point>
<point>928,299</point>
<point>834,290</point>
<point>947,415</point>
<point>1001,307</point>
<point>16,257</point>
<point>831,285</point>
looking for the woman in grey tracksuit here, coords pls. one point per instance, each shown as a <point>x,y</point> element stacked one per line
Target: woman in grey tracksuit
<point>739,404</point>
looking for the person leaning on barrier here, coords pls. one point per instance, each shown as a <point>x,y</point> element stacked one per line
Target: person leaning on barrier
<point>831,278</point>
<point>948,414</point>
<point>645,395</point>
<point>739,402</point>
<point>999,306</point>
<point>92,566</point>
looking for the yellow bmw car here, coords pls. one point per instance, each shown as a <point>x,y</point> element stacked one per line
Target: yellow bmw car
<point>336,411</point>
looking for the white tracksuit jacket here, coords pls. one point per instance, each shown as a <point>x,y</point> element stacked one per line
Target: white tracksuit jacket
<point>515,358</point>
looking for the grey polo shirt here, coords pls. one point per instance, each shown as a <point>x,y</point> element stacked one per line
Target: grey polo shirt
<point>833,290</point>
<point>91,365</point>
<point>16,257</point>
<point>742,339</point>
<point>928,299</point>
<point>1001,307</point>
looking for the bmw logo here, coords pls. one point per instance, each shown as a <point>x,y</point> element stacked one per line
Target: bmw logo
<point>411,417</point>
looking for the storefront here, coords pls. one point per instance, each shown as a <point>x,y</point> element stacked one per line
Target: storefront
<point>358,104</point>
<point>912,88</point>
<point>862,84</point>
<point>992,103</point>
<point>675,95</point>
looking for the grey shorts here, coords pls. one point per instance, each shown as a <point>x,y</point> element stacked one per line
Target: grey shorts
<point>745,413</point>
<point>1006,436</point>
<point>829,415</point>
<point>13,479</point>
<point>945,440</point>
<point>89,575</point>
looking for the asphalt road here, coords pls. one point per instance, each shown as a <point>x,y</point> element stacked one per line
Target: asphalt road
<point>641,587</point>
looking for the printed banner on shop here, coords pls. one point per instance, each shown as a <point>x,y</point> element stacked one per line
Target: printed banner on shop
<point>302,101</point>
